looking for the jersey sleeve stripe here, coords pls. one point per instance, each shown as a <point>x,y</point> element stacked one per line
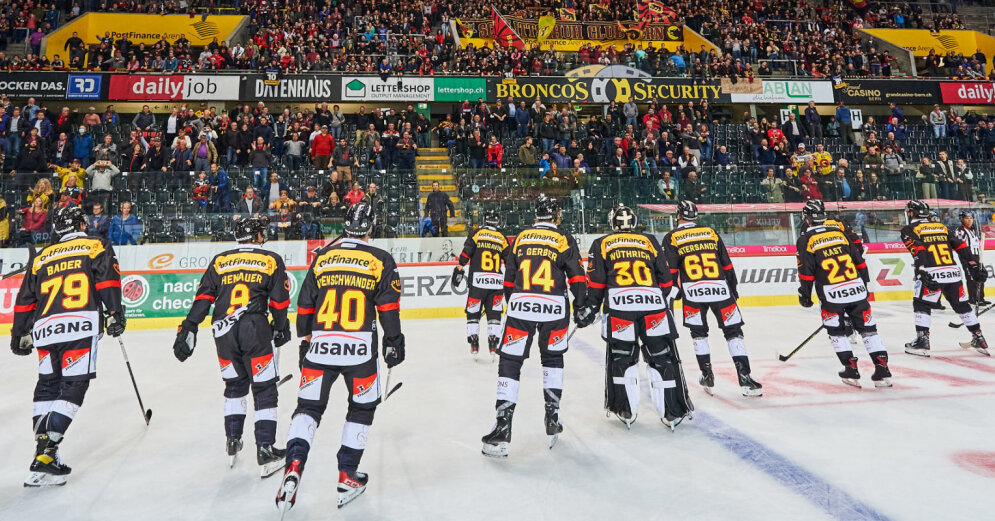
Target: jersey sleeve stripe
<point>806,277</point>
<point>279,305</point>
<point>305,311</point>
<point>727,267</point>
<point>25,308</point>
<point>666,285</point>
<point>509,284</point>
<point>108,284</point>
<point>576,278</point>
<point>596,285</point>
<point>962,246</point>
<point>205,297</point>
<point>390,306</point>
<point>862,265</point>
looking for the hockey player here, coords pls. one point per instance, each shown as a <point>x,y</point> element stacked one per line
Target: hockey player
<point>936,273</point>
<point>58,311</point>
<point>242,283</point>
<point>484,251</point>
<point>543,263</point>
<point>631,268</point>
<point>349,284</point>
<point>707,281</point>
<point>829,259</point>
<point>975,286</point>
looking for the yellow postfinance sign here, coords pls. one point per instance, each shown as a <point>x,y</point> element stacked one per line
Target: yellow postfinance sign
<point>922,41</point>
<point>143,28</point>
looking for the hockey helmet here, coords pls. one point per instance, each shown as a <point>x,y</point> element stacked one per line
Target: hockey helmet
<point>68,220</point>
<point>248,229</point>
<point>964,214</point>
<point>814,210</point>
<point>359,219</point>
<point>918,209</point>
<point>687,210</point>
<point>491,218</point>
<point>547,208</point>
<point>622,218</point>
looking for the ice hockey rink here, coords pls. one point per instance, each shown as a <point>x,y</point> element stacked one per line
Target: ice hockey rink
<point>811,448</point>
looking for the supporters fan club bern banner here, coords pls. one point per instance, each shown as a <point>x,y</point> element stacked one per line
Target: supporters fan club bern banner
<point>569,35</point>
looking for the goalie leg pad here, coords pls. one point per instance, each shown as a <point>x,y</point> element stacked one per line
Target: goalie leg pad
<point>622,382</point>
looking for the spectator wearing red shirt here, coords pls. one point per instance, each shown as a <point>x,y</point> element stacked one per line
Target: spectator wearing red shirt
<point>322,147</point>
<point>495,153</point>
<point>355,195</point>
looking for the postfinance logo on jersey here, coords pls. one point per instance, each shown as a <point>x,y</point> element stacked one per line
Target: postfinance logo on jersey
<point>245,261</point>
<point>62,250</point>
<point>547,238</point>
<point>680,237</point>
<point>348,260</point>
<point>626,240</point>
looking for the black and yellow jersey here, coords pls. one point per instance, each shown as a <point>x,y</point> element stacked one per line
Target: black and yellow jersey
<point>632,269</point>
<point>347,286</point>
<point>700,263</point>
<point>233,280</point>
<point>484,251</point>
<point>543,263</point>
<point>932,247</point>
<point>830,260</point>
<point>847,230</point>
<point>65,288</point>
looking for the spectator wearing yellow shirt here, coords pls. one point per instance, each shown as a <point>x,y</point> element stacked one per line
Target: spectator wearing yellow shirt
<point>74,169</point>
<point>799,158</point>
<point>823,160</point>
<point>43,191</point>
<point>283,201</point>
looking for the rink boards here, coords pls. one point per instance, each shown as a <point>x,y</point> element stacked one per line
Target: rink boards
<point>160,281</point>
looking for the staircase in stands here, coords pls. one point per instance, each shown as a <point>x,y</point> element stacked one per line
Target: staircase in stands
<point>433,165</point>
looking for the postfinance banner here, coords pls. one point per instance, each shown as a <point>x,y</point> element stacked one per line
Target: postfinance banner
<point>143,28</point>
<point>570,36</point>
<point>604,84</point>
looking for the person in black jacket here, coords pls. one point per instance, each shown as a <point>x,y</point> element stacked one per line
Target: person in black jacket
<point>438,207</point>
<point>156,162</point>
<point>30,163</point>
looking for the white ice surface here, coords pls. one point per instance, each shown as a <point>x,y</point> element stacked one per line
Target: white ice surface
<point>915,452</point>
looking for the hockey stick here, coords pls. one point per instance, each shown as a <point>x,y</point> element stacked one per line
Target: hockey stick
<point>574,329</point>
<point>982,312</point>
<point>285,379</point>
<point>386,385</point>
<point>22,269</point>
<point>784,358</point>
<point>146,413</point>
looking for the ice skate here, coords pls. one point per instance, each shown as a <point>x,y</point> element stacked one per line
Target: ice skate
<point>978,343</point>
<point>496,442</point>
<point>47,469</point>
<point>849,374</point>
<point>747,384</point>
<point>882,375</point>
<point>287,495</point>
<point>627,418</point>
<point>233,446</point>
<point>707,380</point>
<point>919,346</point>
<point>553,425</point>
<point>474,342</point>
<point>351,485</point>
<point>671,422</point>
<point>270,460</point>
<point>492,345</point>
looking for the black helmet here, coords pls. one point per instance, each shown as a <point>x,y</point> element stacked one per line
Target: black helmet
<point>547,208</point>
<point>68,219</point>
<point>963,214</point>
<point>248,229</point>
<point>814,210</point>
<point>491,218</point>
<point>918,209</point>
<point>687,211</point>
<point>622,218</point>
<point>359,219</point>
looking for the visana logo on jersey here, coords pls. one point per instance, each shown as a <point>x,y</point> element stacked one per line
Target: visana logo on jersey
<point>541,308</point>
<point>846,292</point>
<point>64,327</point>
<point>636,299</point>
<point>340,348</point>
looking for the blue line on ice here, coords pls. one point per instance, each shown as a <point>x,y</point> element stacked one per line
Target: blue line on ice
<point>832,500</point>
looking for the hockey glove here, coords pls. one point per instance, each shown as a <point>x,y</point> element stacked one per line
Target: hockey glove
<point>186,340</point>
<point>977,271</point>
<point>305,345</point>
<point>281,335</point>
<point>805,299</point>
<point>21,345</point>
<point>115,323</point>
<point>584,315</point>
<point>393,350</point>
<point>457,276</point>
<point>927,280</point>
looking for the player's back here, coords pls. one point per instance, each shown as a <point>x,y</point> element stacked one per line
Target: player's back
<point>542,264</point>
<point>827,255</point>
<point>697,255</point>
<point>933,238</point>
<point>243,275</point>
<point>345,279</point>
<point>489,248</point>
<point>632,269</point>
